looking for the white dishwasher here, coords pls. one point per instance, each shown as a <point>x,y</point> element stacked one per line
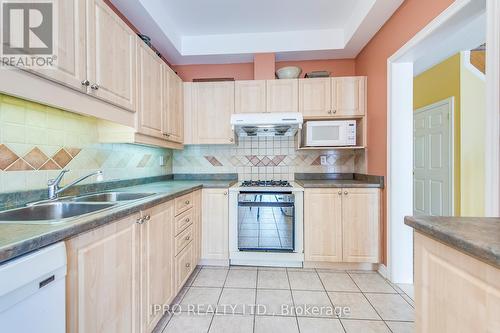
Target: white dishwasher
<point>33,292</point>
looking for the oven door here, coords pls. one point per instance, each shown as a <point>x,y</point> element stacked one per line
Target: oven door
<point>326,133</point>
<point>266,221</point>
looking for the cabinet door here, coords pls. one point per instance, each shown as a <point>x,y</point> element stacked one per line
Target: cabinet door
<point>111,53</point>
<point>70,67</point>
<point>323,225</point>
<point>215,224</point>
<point>157,263</point>
<point>173,106</point>
<point>103,279</point>
<point>150,107</point>
<point>361,225</point>
<point>214,105</point>
<point>282,95</point>
<point>315,97</point>
<point>349,96</point>
<point>250,96</point>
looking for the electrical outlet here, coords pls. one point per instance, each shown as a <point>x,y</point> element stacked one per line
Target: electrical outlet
<point>323,160</point>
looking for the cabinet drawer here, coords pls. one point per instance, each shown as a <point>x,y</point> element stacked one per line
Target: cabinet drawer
<point>183,203</point>
<point>183,220</point>
<point>183,239</point>
<point>183,266</point>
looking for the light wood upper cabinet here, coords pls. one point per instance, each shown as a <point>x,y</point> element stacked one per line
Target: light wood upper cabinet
<point>173,124</point>
<point>215,224</point>
<point>103,282</point>
<point>111,52</point>
<point>157,263</point>
<point>323,225</point>
<point>361,225</point>
<point>349,96</point>
<point>250,96</point>
<point>315,98</point>
<point>151,92</point>
<point>282,95</point>
<point>211,108</point>
<point>71,65</point>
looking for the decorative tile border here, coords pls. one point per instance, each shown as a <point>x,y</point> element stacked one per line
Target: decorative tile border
<point>35,159</point>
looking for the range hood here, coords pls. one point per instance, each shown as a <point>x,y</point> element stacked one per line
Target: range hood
<point>266,124</point>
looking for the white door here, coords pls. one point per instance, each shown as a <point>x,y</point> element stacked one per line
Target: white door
<point>432,160</point>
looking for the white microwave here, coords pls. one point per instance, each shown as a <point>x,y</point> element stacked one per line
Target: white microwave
<point>330,133</point>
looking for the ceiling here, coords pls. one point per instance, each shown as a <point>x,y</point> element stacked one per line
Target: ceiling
<point>229,31</point>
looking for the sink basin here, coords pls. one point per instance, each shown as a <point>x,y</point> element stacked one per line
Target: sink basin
<point>49,213</point>
<point>111,197</point>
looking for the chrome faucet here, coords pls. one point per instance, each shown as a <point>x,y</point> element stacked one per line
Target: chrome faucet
<point>53,184</point>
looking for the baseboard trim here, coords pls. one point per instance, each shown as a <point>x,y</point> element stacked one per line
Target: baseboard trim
<point>341,266</point>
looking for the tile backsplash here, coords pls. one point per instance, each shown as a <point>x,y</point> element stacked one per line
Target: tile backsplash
<point>265,158</point>
<point>37,141</point>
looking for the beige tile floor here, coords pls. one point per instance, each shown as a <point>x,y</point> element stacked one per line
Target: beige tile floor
<point>275,300</point>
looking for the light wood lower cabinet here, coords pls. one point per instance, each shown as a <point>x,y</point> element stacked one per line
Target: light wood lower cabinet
<point>103,281</point>
<point>361,225</point>
<point>118,272</point>
<point>342,225</point>
<point>323,225</point>
<point>454,292</point>
<point>215,225</point>
<point>157,263</point>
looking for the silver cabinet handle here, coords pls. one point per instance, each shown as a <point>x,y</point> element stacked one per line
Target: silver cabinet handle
<point>334,111</point>
<point>95,86</point>
<point>187,202</point>
<point>231,140</point>
<point>166,135</point>
<point>147,217</point>
<point>188,238</point>
<point>225,193</point>
<point>329,111</point>
<point>188,219</point>
<point>340,192</point>
<point>140,220</point>
<point>346,193</point>
<point>188,265</point>
<point>86,83</point>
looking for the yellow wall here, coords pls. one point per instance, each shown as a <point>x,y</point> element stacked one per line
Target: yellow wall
<point>436,84</point>
<point>473,110</point>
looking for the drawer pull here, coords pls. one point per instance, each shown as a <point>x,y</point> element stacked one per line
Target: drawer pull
<point>346,193</point>
<point>340,192</point>
<point>147,217</point>
<point>188,265</point>
<point>188,219</point>
<point>187,202</point>
<point>140,220</point>
<point>188,238</point>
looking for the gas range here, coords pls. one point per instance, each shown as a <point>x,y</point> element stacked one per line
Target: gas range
<point>266,186</point>
<point>266,183</point>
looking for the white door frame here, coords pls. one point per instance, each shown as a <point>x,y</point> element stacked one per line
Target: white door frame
<point>450,101</point>
<point>400,127</point>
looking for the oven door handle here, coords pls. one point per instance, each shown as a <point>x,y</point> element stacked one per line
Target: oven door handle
<point>265,204</point>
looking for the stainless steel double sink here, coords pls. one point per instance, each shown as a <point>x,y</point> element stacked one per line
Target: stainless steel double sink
<point>59,210</point>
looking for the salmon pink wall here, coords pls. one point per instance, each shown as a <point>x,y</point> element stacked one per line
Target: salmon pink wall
<point>264,66</point>
<point>237,71</point>
<point>410,18</point>
<point>337,67</point>
<point>245,71</point>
